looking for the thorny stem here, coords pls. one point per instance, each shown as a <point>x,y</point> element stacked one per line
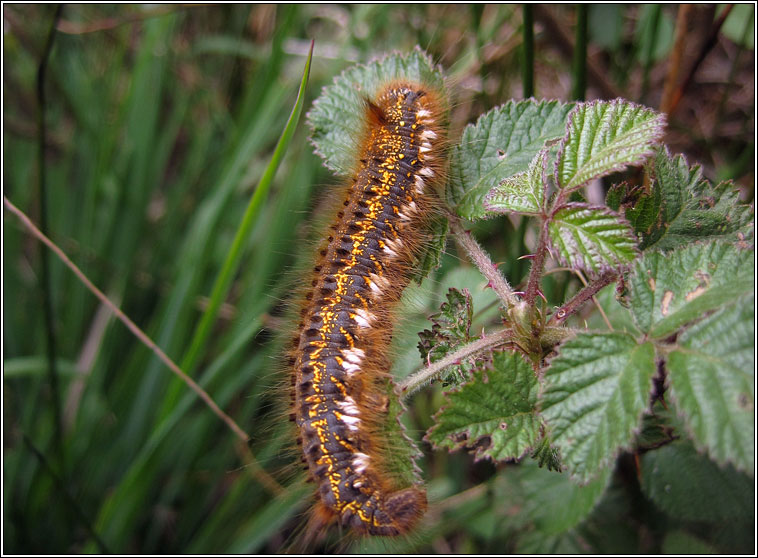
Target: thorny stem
<point>480,258</point>
<point>581,297</point>
<point>537,263</point>
<point>426,374</point>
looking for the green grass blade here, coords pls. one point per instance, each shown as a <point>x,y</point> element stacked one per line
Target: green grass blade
<point>231,265</point>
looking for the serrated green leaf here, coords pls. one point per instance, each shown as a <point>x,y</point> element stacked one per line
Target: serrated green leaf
<point>502,143</point>
<point>692,208</point>
<point>337,116</point>
<point>547,455</point>
<point>400,451</point>
<point>595,392</point>
<point>591,238</point>
<point>658,428</point>
<point>666,291</point>
<point>669,474</point>
<point>641,208</point>
<point>542,489</point>
<point>523,192</point>
<point>604,137</point>
<point>712,382</point>
<point>615,195</point>
<point>494,413</point>
<point>450,331</point>
<point>535,542</point>
<point>432,251</point>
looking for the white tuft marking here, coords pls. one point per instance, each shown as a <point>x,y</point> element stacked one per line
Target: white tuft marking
<point>360,462</point>
<point>350,368</point>
<point>351,422</point>
<point>412,208</point>
<point>423,113</point>
<point>428,134</point>
<point>419,184</point>
<point>396,245</point>
<point>354,355</point>
<point>348,406</point>
<point>424,149</point>
<point>389,251</point>
<point>426,171</point>
<point>363,317</point>
<point>380,282</point>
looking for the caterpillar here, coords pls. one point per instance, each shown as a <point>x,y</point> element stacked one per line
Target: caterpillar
<point>340,352</point>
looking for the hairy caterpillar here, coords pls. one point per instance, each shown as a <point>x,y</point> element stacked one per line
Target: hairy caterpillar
<point>339,355</point>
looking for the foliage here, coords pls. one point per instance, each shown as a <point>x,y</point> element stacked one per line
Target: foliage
<point>574,398</point>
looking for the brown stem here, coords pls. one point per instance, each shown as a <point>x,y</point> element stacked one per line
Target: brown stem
<point>675,59</point>
<point>581,297</point>
<point>709,43</point>
<point>535,273</point>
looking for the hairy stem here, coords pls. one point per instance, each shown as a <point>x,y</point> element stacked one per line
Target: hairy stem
<point>535,273</point>
<point>426,374</point>
<point>480,258</point>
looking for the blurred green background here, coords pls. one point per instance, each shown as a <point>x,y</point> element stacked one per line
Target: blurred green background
<point>160,123</point>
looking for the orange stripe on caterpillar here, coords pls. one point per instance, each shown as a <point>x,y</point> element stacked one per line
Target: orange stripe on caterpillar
<point>340,355</point>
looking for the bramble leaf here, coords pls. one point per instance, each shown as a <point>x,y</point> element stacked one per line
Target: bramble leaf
<point>494,413</point>
<point>692,208</point>
<point>547,455</point>
<point>502,143</point>
<point>604,137</point>
<point>712,383</point>
<point>591,238</point>
<point>543,488</point>
<point>338,113</point>
<point>523,192</point>
<point>431,253</point>
<point>400,451</point>
<point>595,392</point>
<point>450,331</point>
<point>669,474</point>
<point>641,209</point>
<point>666,291</point>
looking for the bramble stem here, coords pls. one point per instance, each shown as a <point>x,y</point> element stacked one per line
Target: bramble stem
<point>581,297</point>
<point>480,258</point>
<point>537,264</point>
<point>426,374</point>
